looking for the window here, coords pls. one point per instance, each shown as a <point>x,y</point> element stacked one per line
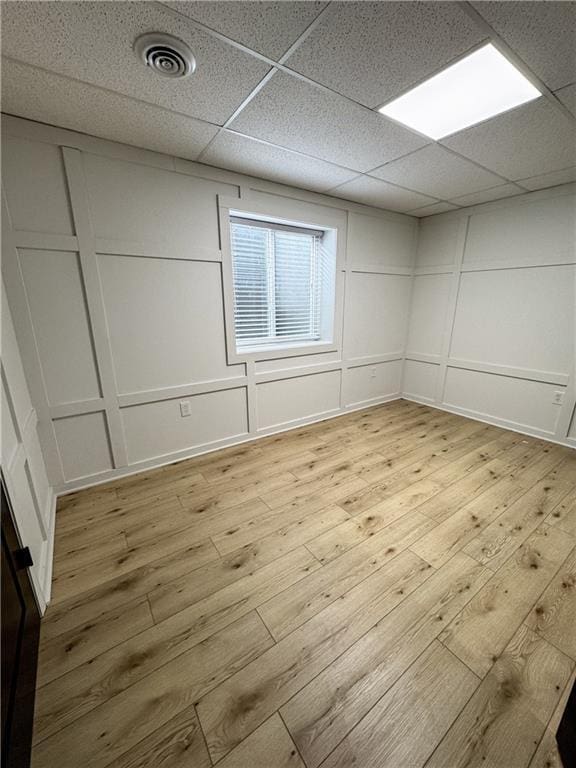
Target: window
<point>283,278</point>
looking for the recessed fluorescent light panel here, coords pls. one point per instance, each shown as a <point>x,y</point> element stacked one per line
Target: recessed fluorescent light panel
<point>477,87</point>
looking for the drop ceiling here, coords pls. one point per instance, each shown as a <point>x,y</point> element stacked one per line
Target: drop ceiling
<point>288,91</point>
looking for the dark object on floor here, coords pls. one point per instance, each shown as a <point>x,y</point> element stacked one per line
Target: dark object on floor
<point>20,635</point>
<point>566,734</point>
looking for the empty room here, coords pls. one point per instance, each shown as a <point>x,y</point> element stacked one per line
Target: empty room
<point>288,384</point>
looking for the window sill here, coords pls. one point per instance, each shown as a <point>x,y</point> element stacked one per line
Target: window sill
<point>275,352</point>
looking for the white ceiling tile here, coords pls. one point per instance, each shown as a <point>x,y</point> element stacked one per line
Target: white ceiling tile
<point>92,41</point>
<point>486,195</point>
<point>380,194</point>
<point>543,34</point>
<point>299,116</point>
<point>267,27</point>
<point>567,96</point>
<point>251,157</point>
<point>50,98</point>
<point>372,51</point>
<point>432,210</point>
<point>529,140</point>
<point>368,50</point>
<point>437,172</point>
<point>565,176</point>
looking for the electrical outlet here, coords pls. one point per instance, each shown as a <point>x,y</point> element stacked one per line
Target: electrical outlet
<point>558,397</point>
<point>373,373</point>
<point>185,408</point>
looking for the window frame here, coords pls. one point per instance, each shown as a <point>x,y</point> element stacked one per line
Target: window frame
<point>314,315</point>
<point>291,213</point>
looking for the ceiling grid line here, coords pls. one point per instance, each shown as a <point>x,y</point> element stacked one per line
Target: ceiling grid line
<point>490,34</point>
<point>267,77</point>
<point>553,164</point>
<point>111,91</point>
<point>225,126</point>
<point>517,60</point>
<point>299,40</point>
<point>279,64</point>
<point>214,33</point>
<point>344,167</point>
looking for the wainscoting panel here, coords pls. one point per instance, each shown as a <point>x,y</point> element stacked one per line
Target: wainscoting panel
<point>84,445</point>
<point>493,316</point>
<point>158,429</point>
<point>124,278</point>
<point>287,401</point>
<point>365,384</point>
<point>166,322</point>
<point>53,281</point>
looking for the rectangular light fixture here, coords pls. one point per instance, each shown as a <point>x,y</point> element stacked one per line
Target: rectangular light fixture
<point>477,87</point>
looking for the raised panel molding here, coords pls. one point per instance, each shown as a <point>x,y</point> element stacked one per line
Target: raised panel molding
<point>379,251</point>
<point>131,202</point>
<point>419,381</point>
<point>84,444</point>
<point>155,430</point>
<point>73,164</point>
<point>23,469</point>
<point>44,241</point>
<point>367,383</point>
<point>377,307</point>
<point>376,269</point>
<point>517,403</point>
<point>28,168</point>
<point>17,304</point>
<point>537,231</point>
<point>165,322</point>
<point>390,357</point>
<point>428,314</point>
<point>520,320</point>
<point>523,262</point>
<point>143,249</point>
<point>445,238</point>
<point>380,256</point>
<point>77,408</point>
<point>297,372</point>
<point>422,357</point>
<point>380,244</point>
<point>61,327</point>
<point>546,377</point>
<point>185,390</point>
<point>284,401</point>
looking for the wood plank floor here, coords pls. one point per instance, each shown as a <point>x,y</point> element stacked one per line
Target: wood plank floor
<point>395,587</point>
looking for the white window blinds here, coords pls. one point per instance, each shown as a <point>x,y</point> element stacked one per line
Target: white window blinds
<point>278,283</point>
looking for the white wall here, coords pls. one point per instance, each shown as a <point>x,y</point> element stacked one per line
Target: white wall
<point>32,499</point>
<point>112,264</point>
<point>114,276</point>
<point>493,318</point>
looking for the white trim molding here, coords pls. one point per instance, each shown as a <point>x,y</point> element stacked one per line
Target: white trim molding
<point>375,376</point>
<point>454,265</point>
<point>292,214</point>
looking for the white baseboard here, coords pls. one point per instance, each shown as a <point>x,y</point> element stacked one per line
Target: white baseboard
<point>161,461</point>
<point>47,581</point>
<point>494,421</point>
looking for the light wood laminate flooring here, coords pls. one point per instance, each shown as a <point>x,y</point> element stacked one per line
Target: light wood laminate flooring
<point>394,587</point>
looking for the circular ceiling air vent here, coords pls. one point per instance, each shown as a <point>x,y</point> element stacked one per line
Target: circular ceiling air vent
<point>165,54</point>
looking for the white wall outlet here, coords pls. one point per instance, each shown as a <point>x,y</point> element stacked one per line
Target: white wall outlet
<point>558,397</point>
<point>373,373</point>
<point>185,408</point>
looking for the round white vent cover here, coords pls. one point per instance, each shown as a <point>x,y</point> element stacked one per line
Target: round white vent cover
<point>165,54</point>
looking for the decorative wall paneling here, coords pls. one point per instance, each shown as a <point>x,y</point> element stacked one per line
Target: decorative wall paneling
<point>32,498</point>
<point>367,370</point>
<point>493,318</point>
<point>140,233</point>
